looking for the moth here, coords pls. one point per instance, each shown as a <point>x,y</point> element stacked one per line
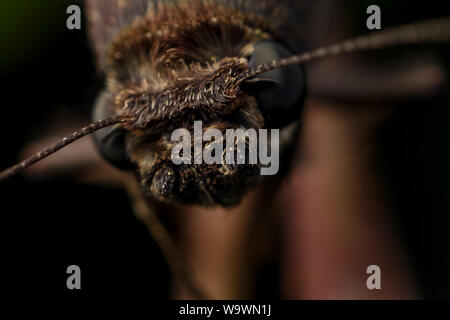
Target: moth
<point>169,63</point>
<point>230,64</point>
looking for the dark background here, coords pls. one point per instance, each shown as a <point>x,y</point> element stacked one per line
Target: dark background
<point>48,225</point>
<point>54,223</point>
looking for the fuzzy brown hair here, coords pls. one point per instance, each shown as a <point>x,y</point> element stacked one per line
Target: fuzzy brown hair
<point>178,63</point>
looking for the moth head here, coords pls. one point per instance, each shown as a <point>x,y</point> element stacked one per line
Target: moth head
<point>170,75</point>
<point>218,96</point>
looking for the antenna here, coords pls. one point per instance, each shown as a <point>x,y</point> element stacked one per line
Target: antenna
<point>427,31</point>
<point>95,126</point>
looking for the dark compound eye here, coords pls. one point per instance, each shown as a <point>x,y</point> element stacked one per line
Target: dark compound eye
<point>110,141</point>
<point>280,93</point>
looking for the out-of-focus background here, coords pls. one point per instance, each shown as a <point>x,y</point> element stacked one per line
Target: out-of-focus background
<point>369,183</point>
<point>49,84</point>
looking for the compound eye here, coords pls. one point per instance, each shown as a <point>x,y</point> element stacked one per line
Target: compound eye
<point>279,93</point>
<point>110,141</point>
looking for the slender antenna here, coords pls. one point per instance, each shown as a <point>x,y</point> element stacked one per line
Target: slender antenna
<point>427,31</point>
<point>7,173</point>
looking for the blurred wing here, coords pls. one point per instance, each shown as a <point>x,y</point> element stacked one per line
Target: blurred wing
<point>106,18</point>
<point>289,19</point>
